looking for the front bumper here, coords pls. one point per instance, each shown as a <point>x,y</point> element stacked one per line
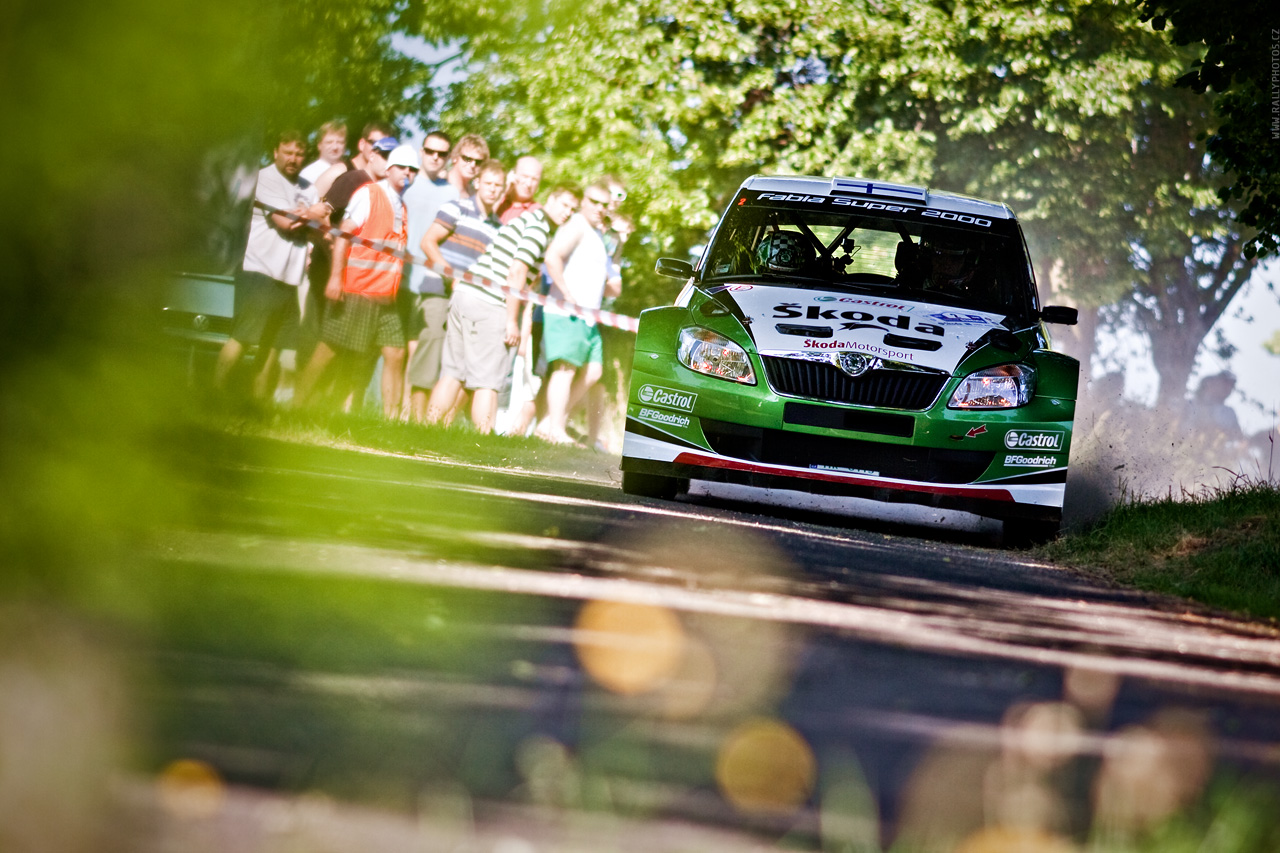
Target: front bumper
<point>1001,464</point>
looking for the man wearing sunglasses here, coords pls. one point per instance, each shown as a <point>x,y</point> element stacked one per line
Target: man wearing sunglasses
<point>578,263</point>
<point>427,302</point>
<point>435,157</point>
<point>421,306</point>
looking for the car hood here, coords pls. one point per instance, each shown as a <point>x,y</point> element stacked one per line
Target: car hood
<point>790,320</point>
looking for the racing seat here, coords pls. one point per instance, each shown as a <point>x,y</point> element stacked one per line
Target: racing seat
<point>906,260</point>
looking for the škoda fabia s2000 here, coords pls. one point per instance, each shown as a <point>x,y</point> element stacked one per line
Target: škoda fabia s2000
<point>858,338</point>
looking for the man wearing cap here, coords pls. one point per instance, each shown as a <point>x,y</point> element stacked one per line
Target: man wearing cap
<point>362,319</point>
<point>367,166</point>
<point>266,287</point>
<point>371,169</point>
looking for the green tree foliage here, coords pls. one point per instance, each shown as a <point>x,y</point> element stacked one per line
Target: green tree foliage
<point>325,62</point>
<point>1067,112</point>
<point>1238,45</point>
<point>336,60</point>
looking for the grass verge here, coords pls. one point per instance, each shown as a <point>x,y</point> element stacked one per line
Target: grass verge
<point>372,431</point>
<point>1218,547</point>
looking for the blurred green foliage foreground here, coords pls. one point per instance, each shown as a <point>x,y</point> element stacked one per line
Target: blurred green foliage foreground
<point>109,106</point>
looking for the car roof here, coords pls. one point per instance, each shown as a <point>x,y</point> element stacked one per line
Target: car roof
<point>884,191</point>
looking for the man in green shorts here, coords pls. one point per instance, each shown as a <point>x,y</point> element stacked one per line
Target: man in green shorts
<point>578,263</point>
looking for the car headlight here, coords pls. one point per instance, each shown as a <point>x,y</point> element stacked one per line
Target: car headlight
<point>715,355</point>
<point>1004,387</point>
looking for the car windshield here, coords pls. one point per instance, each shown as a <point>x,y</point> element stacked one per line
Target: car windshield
<point>979,265</point>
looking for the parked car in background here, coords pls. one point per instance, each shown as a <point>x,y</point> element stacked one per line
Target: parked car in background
<point>859,338</point>
<point>197,311</point>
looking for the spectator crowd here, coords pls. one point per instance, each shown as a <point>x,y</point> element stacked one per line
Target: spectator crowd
<point>321,312</point>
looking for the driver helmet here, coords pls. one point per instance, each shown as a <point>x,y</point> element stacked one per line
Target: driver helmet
<point>783,251</point>
<point>949,261</point>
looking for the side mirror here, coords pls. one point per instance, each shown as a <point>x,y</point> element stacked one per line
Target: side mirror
<point>673,268</point>
<point>1060,314</point>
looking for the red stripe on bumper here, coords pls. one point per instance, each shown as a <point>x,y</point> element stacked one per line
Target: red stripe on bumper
<point>988,494</point>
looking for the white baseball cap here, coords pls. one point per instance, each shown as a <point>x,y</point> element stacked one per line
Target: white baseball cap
<point>405,155</point>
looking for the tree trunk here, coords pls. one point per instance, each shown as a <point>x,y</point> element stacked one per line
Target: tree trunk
<point>1078,341</point>
<point>1173,349</point>
<point>1180,303</point>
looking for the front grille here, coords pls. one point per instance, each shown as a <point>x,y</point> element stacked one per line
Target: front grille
<point>887,389</point>
<point>857,420</point>
<point>899,461</point>
<point>196,328</point>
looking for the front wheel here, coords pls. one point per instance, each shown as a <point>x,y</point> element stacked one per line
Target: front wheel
<point>1027,533</point>
<point>650,485</point>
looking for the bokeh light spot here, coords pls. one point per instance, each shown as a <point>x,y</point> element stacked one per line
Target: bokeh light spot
<point>765,766</point>
<point>692,687</point>
<point>1152,771</point>
<point>191,789</point>
<point>628,648</point>
<point>1004,839</point>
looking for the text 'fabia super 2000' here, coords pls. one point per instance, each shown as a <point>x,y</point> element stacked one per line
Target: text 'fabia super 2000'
<point>858,338</point>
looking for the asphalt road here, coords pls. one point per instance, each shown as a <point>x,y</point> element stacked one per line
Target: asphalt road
<point>784,674</point>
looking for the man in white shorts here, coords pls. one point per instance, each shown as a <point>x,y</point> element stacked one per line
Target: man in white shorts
<point>483,324</point>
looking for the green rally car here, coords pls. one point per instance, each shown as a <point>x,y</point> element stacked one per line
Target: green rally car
<point>860,338</point>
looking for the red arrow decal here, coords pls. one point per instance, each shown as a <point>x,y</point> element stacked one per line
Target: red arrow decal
<point>976,431</point>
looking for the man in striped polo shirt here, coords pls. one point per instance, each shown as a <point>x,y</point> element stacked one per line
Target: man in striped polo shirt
<point>461,232</point>
<point>484,325</point>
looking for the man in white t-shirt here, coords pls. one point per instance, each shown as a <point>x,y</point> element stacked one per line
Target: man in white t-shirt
<point>275,260</point>
<point>579,266</point>
<point>331,145</point>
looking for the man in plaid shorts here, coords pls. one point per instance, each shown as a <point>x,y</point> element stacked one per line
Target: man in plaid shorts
<point>363,321</point>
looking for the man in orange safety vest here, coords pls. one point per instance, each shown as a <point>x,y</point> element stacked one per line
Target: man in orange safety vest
<point>362,320</point>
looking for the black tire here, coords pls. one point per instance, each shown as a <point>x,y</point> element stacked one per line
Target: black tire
<point>650,485</point>
<point>1028,533</point>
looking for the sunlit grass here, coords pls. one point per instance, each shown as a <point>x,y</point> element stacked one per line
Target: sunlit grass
<point>1220,547</point>
<point>371,431</point>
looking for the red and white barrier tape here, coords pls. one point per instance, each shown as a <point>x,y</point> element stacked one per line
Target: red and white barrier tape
<point>607,318</point>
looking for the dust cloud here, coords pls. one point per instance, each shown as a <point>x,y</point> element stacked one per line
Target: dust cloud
<point>1123,450</point>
